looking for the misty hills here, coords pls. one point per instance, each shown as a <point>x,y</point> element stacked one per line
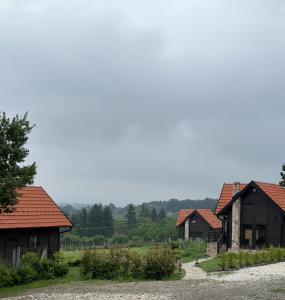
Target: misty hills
<point>171,206</point>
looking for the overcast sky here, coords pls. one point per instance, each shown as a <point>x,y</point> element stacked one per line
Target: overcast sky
<point>146,100</point>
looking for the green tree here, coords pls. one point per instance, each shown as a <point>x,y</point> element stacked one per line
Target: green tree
<point>130,216</point>
<point>107,225</point>
<point>282,182</point>
<point>154,215</point>
<point>13,173</point>
<point>161,215</point>
<point>144,212</point>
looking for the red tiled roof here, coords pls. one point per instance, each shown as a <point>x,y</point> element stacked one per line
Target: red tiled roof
<point>34,208</point>
<point>210,217</point>
<point>182,214</point>
<point>275,192</point>
<point>226,195</point>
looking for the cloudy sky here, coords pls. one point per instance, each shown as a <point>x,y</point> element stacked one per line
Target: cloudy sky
<point>146,100</point>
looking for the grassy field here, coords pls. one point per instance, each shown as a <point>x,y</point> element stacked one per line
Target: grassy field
<point>74,255</point>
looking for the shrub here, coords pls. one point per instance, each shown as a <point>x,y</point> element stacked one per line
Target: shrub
<point>26,273</point>
<point>87,264</point>
<point>8,276</point>
<point>123,264</point>
<point>174,245</point>
<point>233,260</point>
<point>159,262</point>
<point>222,262</point>
<point>31,268</point>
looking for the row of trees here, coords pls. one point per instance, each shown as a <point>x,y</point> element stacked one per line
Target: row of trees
<point>146,224</point>
<point>96,220</point>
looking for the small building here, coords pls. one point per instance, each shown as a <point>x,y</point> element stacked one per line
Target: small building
<point>198,224</point>
<point>253,215</point>
<point>35,226</point>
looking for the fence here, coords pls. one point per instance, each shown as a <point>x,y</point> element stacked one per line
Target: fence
<point>109,243</point>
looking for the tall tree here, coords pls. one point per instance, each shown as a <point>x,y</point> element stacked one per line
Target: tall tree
<point>144,212</point>
<point>282,182</point>
<point>131,216</point>
<point>161,215</point>
<point>107,222</point>
<point>13,173</point>
<point>154,215</point>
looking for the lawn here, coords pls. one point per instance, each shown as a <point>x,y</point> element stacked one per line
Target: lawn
<point>71,256</point>
<point>211,265</point>
<point>73,275</point>
<point>75,255</point>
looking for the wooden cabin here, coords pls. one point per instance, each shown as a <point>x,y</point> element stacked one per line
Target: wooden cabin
<point>253,215</point>
<point>198,224</point>
<point>35,226</point>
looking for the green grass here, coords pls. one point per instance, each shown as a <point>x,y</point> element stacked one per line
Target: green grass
<point>186,259</point>
<point>211,265</point>
<point>73,255</point>
<point>73,275</point>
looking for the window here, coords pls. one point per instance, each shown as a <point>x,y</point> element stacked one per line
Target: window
<point>33,242</point>
<point>260,235</point>
<point>247,235</point>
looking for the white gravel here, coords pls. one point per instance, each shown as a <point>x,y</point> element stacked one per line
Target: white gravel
<point>260,273</point>
<point>92,296</point>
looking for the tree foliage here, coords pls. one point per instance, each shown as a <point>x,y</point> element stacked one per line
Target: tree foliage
<point>282,182</point>
<point>13,173</point>
<point>131,219</point>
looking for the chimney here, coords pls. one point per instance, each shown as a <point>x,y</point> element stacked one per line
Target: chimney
<point>236,187</point>
<point>236,218</point>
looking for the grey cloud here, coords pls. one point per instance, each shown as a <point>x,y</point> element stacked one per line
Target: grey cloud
<point>144,100</point>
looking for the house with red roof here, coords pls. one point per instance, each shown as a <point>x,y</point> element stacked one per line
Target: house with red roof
<point>252,215</point>
<point>35,225</point>
<point>198,224</point>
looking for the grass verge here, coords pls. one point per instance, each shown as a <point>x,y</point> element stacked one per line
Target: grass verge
<point>211,265</point>
<point>73,275</point>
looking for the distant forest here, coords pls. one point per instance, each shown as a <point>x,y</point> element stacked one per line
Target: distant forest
<point>137,224</point>
<point>170,207</point>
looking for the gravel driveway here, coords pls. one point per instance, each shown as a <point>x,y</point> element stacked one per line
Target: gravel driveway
<point>266,282</point>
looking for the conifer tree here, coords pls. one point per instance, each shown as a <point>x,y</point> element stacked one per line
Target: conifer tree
<point>13,173</point>
<point>131,216</point>
<point>154,215</point>
<point>161,215</point>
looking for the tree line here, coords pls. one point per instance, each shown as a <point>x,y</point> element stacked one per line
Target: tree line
<point>145,224</point>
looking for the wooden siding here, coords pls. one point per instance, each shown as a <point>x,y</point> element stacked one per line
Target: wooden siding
<point>198,226</point>
<point>47,238</point>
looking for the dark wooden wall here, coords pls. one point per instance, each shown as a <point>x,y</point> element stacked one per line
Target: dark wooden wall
<point>10,239</point>
<point>197,225</point>
<point>258,209</point>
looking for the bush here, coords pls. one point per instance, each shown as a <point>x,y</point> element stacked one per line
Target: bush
<point>26,273</point>
<point>118,263</point>
<point>31,268</point>
<point>159,262</point>
<point>174,245</point>
<point>8,276</point>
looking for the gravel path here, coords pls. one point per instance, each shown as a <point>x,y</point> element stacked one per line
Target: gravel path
<point>193,272</point>
<point>266,282</point>
<point>261,273</point>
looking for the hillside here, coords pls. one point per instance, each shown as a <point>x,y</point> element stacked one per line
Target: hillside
<point>169,206</point>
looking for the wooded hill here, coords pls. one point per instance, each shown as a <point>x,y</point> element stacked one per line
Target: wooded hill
<point>170,207</point>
